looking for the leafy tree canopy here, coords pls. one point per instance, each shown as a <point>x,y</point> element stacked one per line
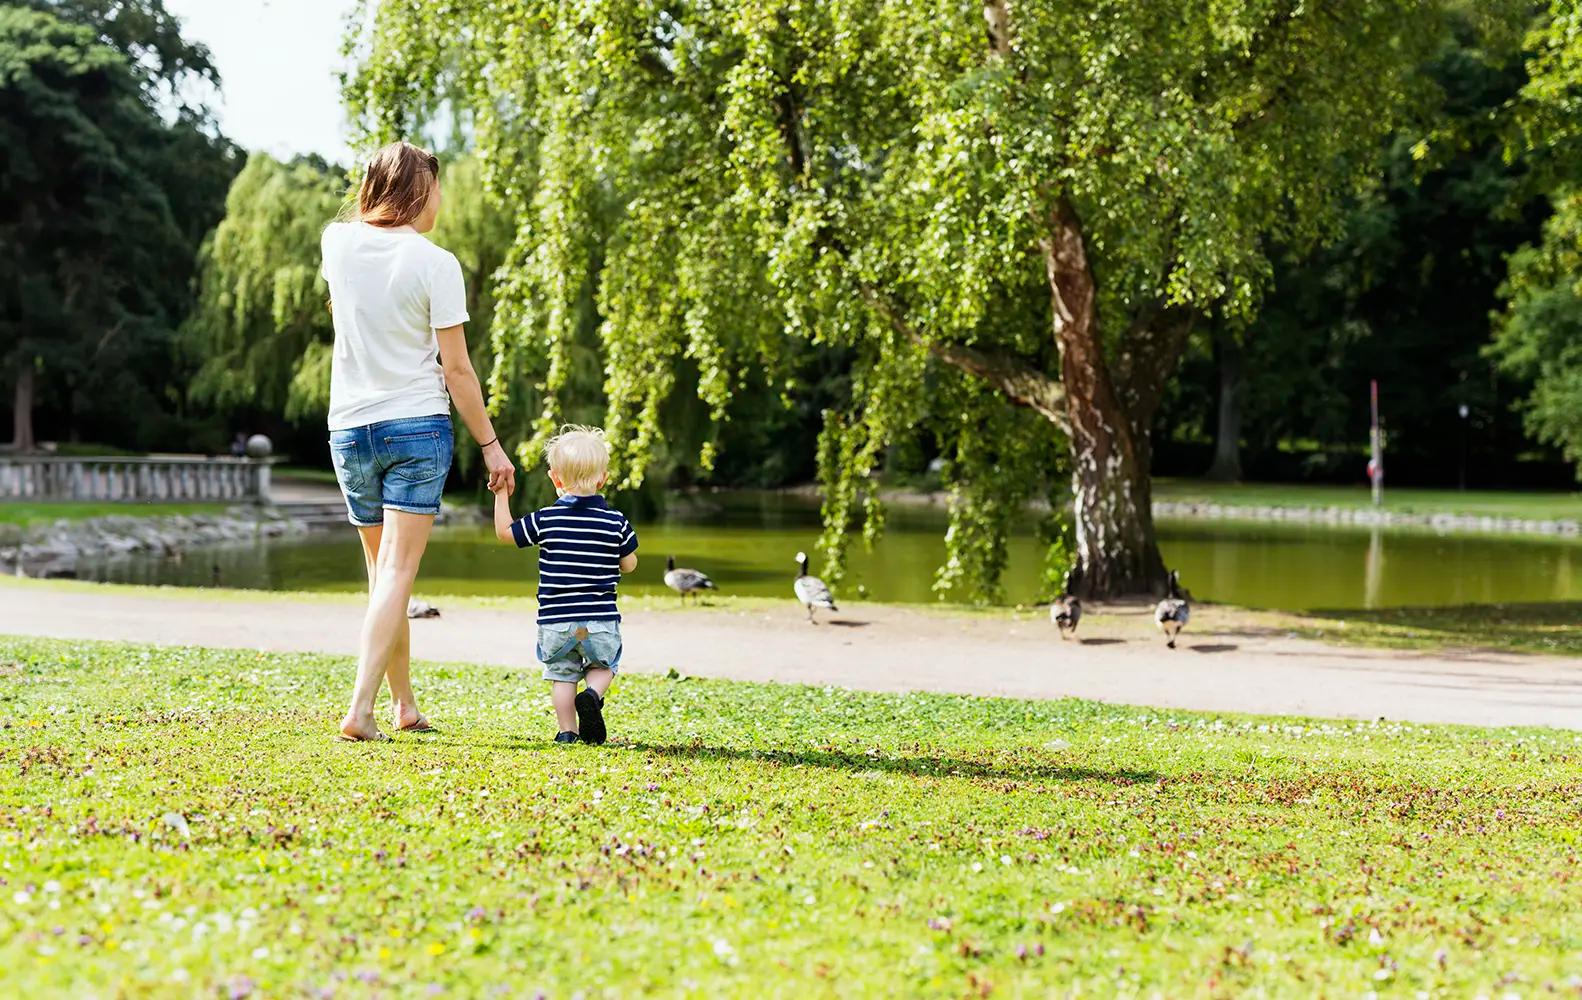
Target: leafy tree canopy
<point>87,238</point>
<point>1539,336</point>
<point>260,331</point>
<point>1009,213</point>
<point>108,182</point>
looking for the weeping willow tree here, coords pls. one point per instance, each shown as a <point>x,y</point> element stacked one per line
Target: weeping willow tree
<point>1010,213</point>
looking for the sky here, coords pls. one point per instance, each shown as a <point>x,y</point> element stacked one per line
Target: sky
<point>277,61</point>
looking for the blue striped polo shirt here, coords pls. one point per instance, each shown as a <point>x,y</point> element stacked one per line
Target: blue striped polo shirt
<point>580,544</point>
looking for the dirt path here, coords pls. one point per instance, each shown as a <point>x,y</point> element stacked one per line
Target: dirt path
<point>891,649</point>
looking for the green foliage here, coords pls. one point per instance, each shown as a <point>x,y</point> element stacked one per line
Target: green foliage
<point>1539,336</point>
<point>183,818</point>
<point>108,183</point>
<point>1404,296</point>
<point>87,236</point>
<point>874,176</point>
<point>1548,117</point>
<point>261,325</point>
<point>150,36</point>
<point>27,513</point>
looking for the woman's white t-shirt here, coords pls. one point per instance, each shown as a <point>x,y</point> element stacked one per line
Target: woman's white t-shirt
<point>390,289</point>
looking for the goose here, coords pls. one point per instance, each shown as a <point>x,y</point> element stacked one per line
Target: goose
<point>684,581</point>
<point>421,609</point>
<point>1172,613</point>
<point>1067,609</point>
<point>810,590</point>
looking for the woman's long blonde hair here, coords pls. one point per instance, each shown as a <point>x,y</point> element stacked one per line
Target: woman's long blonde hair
<point>396,185</point>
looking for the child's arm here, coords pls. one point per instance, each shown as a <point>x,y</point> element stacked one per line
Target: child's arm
<point>628,547</point>
<point>502,516</point>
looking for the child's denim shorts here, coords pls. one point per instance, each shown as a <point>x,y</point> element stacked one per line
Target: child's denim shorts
<point>392,465</point>
<point>568,650</point>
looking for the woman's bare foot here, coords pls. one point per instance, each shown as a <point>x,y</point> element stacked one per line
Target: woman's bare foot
<point>409,720</point>
<point>353,728</point>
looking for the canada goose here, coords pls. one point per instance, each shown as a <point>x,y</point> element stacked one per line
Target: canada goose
<point>810,590</point>
<point>685,581</point>
<point>1172,613</point>
<point>1067,610</point>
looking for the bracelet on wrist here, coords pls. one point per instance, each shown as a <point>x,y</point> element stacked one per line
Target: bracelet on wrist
<point>493,440</point>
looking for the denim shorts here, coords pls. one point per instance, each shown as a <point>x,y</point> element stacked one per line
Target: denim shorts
<point>392,465</point>
<point>568,652</point>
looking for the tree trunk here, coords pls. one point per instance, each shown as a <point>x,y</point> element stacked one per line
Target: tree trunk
<point>1116,545</point>
<point>22,408</point>
<point>1227,438</point>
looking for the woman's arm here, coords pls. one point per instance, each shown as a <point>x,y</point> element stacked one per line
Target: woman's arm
<point>467,394</point>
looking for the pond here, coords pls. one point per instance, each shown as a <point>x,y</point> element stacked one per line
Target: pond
<point>747,542</point>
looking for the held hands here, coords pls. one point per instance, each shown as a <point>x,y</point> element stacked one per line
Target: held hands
<point>502,474</point>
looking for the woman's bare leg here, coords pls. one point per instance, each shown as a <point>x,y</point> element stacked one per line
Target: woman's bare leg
<point>385,639</point>
<point>399,670</point>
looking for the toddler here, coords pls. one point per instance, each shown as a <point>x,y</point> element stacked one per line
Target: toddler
<point>584,545</point>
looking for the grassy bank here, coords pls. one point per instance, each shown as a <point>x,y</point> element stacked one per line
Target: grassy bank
<point>28,513</point>
<point>178,822</point>
<point>1520,628</point>
<point>1492,503</point>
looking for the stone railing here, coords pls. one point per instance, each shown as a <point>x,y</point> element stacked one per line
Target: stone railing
<point>133,480</point>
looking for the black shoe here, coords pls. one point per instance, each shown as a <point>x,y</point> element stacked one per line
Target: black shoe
<point>566,737</point>
<point>590,716</point>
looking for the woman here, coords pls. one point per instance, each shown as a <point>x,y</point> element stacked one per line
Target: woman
<point>400,362</point>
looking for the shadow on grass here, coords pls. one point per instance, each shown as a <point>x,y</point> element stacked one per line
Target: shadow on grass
<point>923,767</point>
<point>1213,647</point>
<point>1102,642</point>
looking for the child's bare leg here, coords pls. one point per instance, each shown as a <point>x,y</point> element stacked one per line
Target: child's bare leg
<point>564,695</point>
<point>600,679</point>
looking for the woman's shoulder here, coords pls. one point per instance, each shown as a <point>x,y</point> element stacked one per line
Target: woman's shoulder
<point>337,231</point>
<point>434,257</point>
<point>431,250</point>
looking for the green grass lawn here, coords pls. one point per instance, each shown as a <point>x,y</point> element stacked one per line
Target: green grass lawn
<point>24,513</point>
<point>305,473</point>
<point>178,822</point>
<point>1536,505</point>
<point>1554,627</point>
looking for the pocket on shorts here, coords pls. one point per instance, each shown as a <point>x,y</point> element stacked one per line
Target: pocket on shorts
<point>603,642</point>
<point>553,640</point>
<point>413,458</point>
<point>348,460</point>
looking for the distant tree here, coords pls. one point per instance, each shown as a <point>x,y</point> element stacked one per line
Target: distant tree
<point>1010,213</point>
<point>1403,294</point>
<point>1539,335</point>
<point>260,332</point>
<point>86,233</point>
<point>111,175</point>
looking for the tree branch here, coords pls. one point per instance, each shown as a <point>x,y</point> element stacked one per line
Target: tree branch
<point>1021,383</point>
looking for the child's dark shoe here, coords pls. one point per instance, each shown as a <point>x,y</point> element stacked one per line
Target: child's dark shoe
<point>590,716</point>
<point>566,737</point>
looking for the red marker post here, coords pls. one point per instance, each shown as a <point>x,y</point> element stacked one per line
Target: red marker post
<point>1376,463</point>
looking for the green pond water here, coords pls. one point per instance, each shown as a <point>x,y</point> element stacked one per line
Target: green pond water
<point>747,542</point>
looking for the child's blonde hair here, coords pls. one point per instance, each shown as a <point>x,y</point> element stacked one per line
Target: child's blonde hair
<point>579,456</point>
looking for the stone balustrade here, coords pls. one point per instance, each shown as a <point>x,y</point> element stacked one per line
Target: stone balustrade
<point>172,478</point>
